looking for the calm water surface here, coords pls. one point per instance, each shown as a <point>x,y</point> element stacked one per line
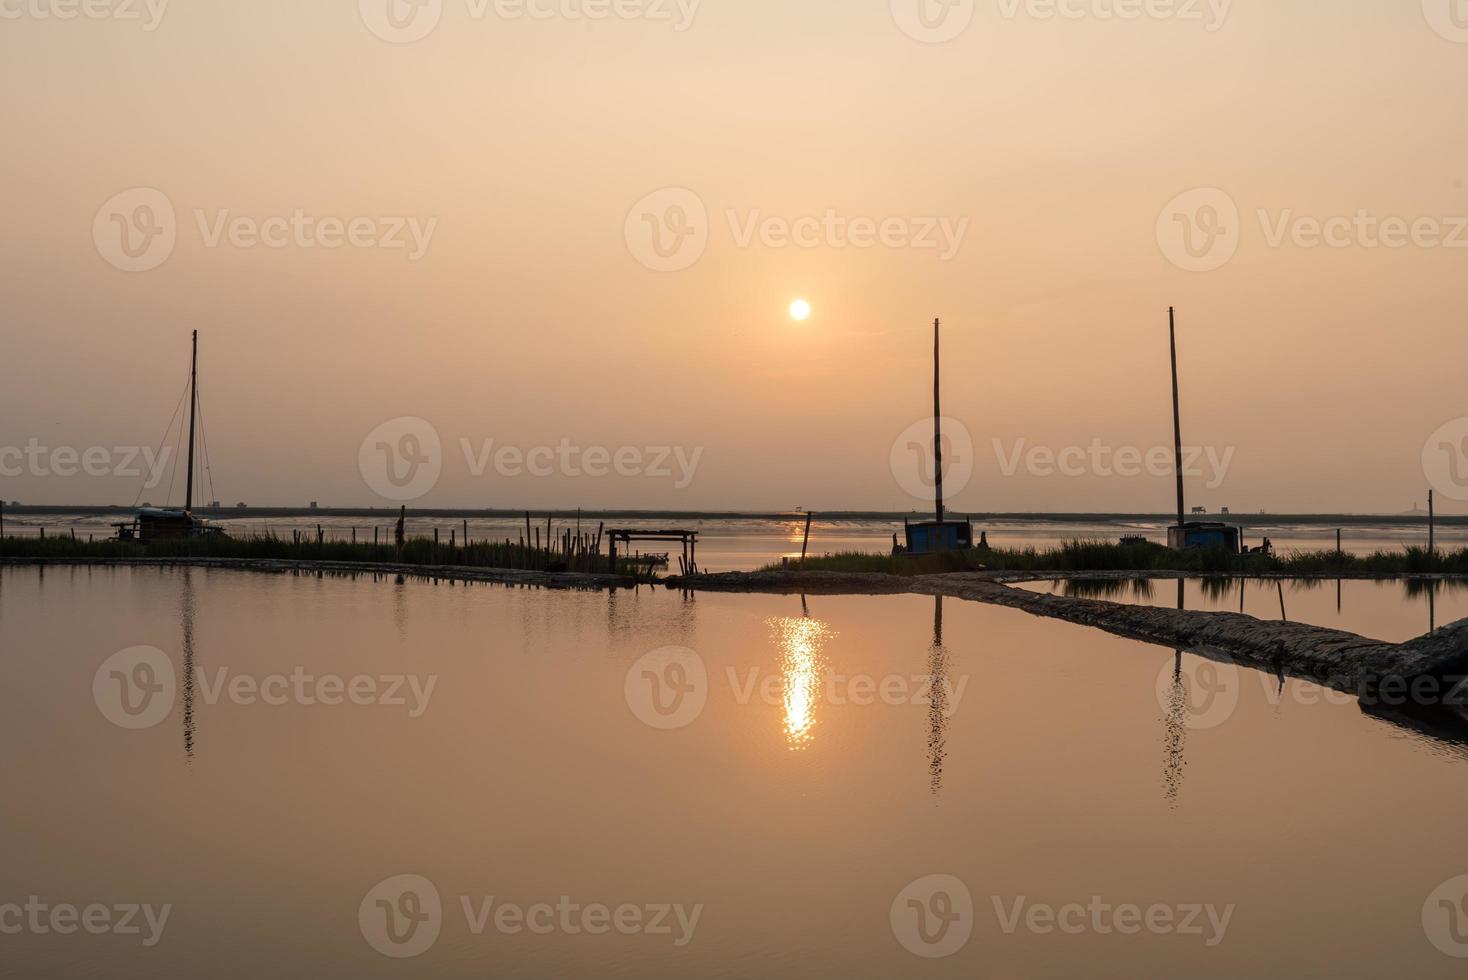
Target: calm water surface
<point>799,800</point>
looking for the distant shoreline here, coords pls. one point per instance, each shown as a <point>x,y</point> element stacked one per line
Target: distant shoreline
<point>381,513</point>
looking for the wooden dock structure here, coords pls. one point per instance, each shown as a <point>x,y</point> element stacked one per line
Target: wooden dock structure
<point>688,563</point>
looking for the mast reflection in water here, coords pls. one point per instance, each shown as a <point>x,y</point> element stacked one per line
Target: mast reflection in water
<point>187,622</point>
<point>938,710</point>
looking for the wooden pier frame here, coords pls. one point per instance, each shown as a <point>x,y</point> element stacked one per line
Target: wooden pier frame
<point>625,537</point>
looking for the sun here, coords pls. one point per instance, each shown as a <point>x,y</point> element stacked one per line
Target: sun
<point>800,310</point>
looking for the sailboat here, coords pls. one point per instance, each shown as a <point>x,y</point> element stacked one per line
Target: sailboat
<point>153,523</point>
<point>1185,533</point>
<point>927,537</point>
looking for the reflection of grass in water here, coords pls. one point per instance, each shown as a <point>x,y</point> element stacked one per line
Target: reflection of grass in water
<point>1218,589</point>
<point>415,551</point>
<point>1418,588</point>
<point>1141,589</point>
<point>1096,556</point>
<point>1095,588</point>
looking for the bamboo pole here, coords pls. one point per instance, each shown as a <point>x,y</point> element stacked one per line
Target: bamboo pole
<point>1431,525</point>
<point>1177,425</point>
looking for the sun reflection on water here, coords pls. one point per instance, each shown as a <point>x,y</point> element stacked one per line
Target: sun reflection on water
<point>802,667</point>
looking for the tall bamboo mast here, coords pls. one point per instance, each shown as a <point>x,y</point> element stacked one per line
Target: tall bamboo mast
<point>193,412</point>
<point>1177,424</point>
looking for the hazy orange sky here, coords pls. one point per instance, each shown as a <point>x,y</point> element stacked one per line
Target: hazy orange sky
<point>1051,149</point>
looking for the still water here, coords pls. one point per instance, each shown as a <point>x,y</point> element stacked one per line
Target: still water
<point>306,777</point>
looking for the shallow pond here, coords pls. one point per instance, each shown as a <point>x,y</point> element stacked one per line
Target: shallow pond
<point>358,777</point>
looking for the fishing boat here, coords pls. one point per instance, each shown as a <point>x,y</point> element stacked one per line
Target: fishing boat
<point>929,537</point>
<point>156,523</point>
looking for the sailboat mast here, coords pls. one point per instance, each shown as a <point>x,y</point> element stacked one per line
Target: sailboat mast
<point>1177,424</point>
<point>937,428</point>
<point>193,413</point>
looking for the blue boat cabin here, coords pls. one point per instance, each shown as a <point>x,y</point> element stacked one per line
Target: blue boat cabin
<point>1203,534</point>
<point>930,536</point>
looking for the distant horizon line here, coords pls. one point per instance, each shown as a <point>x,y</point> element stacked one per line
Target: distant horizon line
<point>518,513</point>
